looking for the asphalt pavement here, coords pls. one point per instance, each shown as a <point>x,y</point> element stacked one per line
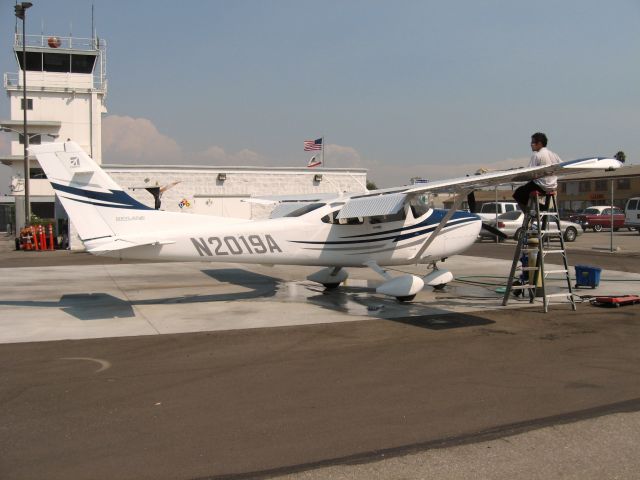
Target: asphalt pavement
<point>488,393</point>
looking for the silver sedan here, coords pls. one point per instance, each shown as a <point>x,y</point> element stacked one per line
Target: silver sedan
<point>510,224</point>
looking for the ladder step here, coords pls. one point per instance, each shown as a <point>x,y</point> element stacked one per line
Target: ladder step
<point>559,295</point>
<point>544,252</point>
<point>521,287</point>
<point>556,271</point>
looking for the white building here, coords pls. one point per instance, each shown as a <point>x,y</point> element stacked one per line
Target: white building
<point>221,191</point>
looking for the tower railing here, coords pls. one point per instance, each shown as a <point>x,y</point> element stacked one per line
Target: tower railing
<point>63,43</point>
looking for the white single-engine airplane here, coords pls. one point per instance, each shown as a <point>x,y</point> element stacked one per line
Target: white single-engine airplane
<point>380,228</point>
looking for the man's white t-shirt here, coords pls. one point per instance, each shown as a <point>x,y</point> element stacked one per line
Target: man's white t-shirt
<point>544,156</point>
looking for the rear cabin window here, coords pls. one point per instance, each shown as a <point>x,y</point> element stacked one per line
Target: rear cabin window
<point>632,205</point>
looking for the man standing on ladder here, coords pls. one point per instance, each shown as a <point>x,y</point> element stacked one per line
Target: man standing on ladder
<point>541,156</point>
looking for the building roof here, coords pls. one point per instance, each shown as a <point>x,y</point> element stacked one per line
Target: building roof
<point>228,168</point>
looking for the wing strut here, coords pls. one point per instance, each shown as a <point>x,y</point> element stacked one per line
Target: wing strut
<point>458,199</point>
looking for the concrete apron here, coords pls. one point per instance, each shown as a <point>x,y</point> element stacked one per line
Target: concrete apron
<point>94,301</point>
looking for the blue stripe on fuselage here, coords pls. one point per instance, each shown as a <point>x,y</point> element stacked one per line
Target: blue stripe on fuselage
<point>113,196</point>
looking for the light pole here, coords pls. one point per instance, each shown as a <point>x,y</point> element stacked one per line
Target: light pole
<point>21,13</point>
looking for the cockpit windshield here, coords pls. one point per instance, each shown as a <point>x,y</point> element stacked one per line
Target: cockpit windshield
<point>419,205</point>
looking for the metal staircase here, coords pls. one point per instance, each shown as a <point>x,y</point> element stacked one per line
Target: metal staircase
<point>535,239</point>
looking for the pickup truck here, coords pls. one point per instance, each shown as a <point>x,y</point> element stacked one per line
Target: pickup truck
<point>489,211</point>
<point>599,217</point>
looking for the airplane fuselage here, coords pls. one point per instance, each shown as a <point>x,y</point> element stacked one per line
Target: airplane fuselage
<point>313,239</point>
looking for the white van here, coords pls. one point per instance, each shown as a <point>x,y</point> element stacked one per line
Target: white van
<point>490,210</point>
<point>632,213</point>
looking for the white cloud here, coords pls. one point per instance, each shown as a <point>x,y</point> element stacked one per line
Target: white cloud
<point>137,140</point>
<point>342,156</point>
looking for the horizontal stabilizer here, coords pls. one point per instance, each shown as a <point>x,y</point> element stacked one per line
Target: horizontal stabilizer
<point>116,243</point>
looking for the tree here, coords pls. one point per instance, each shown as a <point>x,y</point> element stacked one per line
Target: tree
<point>620,156</point>
<point>371,185</point>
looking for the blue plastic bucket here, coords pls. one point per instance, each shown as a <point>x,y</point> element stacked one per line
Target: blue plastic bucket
<point>587,276</point>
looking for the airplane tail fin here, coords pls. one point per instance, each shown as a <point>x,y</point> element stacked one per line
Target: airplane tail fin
<point>95,203</point>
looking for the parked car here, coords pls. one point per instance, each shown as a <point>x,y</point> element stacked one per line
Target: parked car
<point>632,214</point>
<point>599,217</point>
<point>510,224</point>
<point>489,210</point>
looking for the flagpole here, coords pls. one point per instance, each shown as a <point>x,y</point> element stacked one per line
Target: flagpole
<point>324,165</point>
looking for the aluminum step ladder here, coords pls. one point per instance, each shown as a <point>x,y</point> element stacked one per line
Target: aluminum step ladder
<point>534,238</point>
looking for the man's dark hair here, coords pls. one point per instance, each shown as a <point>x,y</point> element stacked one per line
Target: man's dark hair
<point>539,137</point>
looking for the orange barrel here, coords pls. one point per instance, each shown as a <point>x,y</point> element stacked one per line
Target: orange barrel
<point>50,237</point>
<point>34,237</point>
<point>43,238</point>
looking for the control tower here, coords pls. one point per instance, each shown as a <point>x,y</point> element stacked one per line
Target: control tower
<point>66,89</point>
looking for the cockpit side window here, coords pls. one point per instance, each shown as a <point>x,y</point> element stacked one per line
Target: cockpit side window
<point>333,219</point>
<point>394,217</point>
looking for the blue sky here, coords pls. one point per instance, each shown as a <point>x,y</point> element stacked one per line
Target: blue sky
<point>404,88</point>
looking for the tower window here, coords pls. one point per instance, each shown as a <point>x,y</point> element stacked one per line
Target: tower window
<point>56,62</point>
<point>29,104</point>
<point>34,61</point>
<point>37,173</point>
<point>82,63</point>
<point>33,139</point>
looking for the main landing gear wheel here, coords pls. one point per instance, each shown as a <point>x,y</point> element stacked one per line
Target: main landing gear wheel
<point>406,298</point>
<point>439,287</point>
<point>330,278</point>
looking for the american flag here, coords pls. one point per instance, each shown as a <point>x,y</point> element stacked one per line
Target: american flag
<point>310,145</point>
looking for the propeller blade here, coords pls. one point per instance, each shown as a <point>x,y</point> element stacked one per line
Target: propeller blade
<point>471,200</point>
<point>494,230</point>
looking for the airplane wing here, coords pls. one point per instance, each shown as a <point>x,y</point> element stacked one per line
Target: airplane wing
<point>389,201</point>
<point>515,175</point>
